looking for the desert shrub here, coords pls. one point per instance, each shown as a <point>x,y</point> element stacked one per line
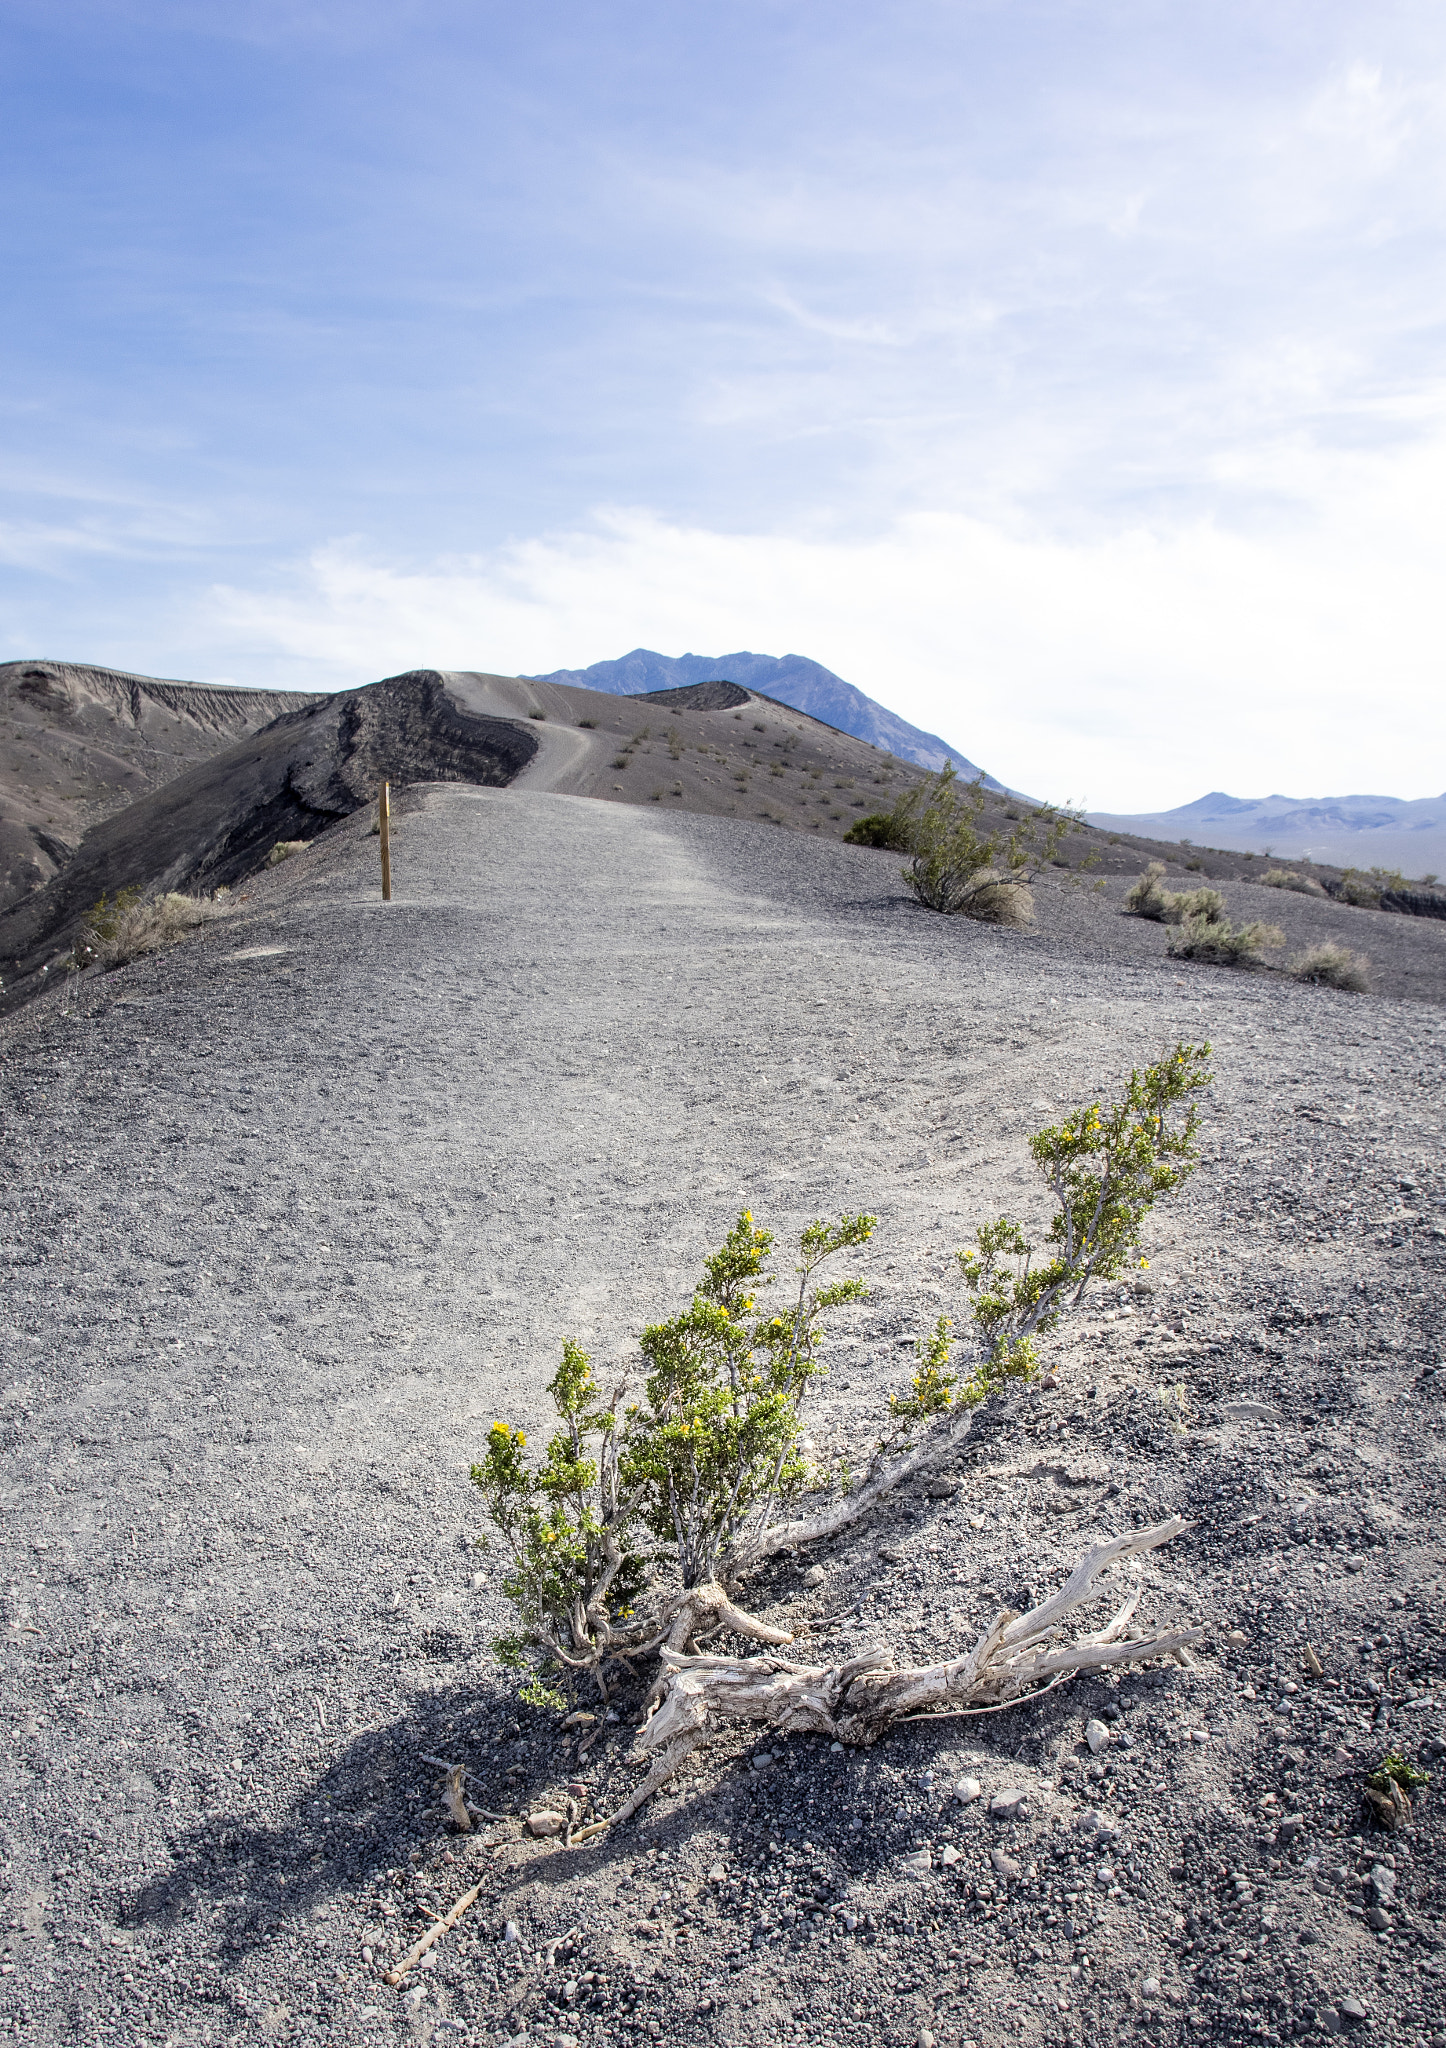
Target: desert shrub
<point>1221,943</point>
<point>990,898</point>
<point>1363,891</point>
<point>1105,1167</point>
<point>539,715</point>
<point>1333,966</point>
<point>1146,898</point>
<point>960,869</point>
<point>588,724</point>
<point>284,849</point>
<point>633,1528</point>
<point>1287,878</point>
<point>715,1441</point>
<point>131,925</point>
<point>879,828</point>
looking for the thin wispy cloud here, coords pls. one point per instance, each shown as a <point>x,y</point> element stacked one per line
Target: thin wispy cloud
<point>1037,368</point>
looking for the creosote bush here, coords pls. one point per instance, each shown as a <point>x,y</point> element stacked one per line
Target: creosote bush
<point>129,925</point>
<point>958,868</point>
<point>1333,966</point>
<point>631,1534</point>
<point>284,849</point>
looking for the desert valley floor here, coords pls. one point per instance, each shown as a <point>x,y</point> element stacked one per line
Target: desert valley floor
<point>295,1211</point>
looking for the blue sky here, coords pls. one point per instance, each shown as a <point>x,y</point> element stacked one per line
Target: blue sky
<point>1070,377</point>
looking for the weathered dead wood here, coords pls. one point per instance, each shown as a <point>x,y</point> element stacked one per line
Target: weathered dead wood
<point>755,1545</point>
<point>859,1701</point>
<point>413,1956</point>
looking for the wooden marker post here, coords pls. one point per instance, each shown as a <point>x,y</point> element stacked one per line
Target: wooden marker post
<point>384,819</point>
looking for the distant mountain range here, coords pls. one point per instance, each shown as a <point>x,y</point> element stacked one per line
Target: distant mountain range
<point>792,679</point>
<point>1342,831</point>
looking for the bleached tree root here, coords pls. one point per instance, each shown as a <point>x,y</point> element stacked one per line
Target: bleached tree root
<point>859,1701</point>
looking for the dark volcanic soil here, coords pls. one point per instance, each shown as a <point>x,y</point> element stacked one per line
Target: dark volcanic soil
<point>296,1211</point>
<point>77,743</point>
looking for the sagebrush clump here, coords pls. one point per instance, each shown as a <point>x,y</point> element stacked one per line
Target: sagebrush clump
<point>1223,944</point>
<point>124,928</point>
<point>285,849</point>
<point>1287,878</point>
<point>1333,966</point>
<point>1146,898</point>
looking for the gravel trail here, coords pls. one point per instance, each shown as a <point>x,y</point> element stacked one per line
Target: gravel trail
<point>294,1212</point>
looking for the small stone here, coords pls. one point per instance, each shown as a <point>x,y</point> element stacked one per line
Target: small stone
<point>1004,1865</point>
<point>967,1791</point>
<point>1377,1919</point>
<point>1097,1735</point>
<point>1104,1876</point>
<point>919,1864</point>
<point>942,1489</point>
<point>1250,1411</point>
<point>1237,1638</point>
<point>716,1873</point>
<point>817,1576</point>
<point>512,1932</point>
<point>1289,1829</point>
<point>924,2039</point>
<point>1150,1988</point>
<point>1382,1882</point>
<point>949,1856</point>
<point>545,1823</point>
<point>1010,1804</point>
<point>1200,1736</point>
<point>835,1749</point>
<point>1351,2010</point>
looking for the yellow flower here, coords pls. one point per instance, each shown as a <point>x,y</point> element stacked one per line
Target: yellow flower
<point>1144,1262</point>
<point>521,1439</point>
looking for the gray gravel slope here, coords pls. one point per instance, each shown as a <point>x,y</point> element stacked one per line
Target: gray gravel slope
<point>295,1211</point>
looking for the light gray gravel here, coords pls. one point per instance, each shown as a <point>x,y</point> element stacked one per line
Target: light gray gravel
<point>293,1213</point>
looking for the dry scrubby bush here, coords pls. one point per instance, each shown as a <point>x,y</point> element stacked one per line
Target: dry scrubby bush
<point>1333,966</point>
<point>1363,891</point>
<point>1146,898</point>
<point>123,928</point>
<point>632,1535</point>
<point>955,866</point>
<point>1203,932</point>
<point>1287,878</point>
<point>1223,944</point>
<point>284,849</point>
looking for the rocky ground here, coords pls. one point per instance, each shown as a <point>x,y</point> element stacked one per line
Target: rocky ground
<point>295,1211</point>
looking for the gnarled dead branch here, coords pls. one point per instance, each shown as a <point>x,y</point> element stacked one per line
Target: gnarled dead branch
<point>857,1702</point>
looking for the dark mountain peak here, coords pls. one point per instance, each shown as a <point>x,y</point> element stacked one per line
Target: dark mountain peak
<point>792,679</point>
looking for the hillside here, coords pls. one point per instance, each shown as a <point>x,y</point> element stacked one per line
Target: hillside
<point>78,743</point>
<point>296,1212</point>
<point>712,749</point>
<point>791,679</point>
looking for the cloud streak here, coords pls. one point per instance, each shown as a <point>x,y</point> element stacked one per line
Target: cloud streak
<point>1138,667</point>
